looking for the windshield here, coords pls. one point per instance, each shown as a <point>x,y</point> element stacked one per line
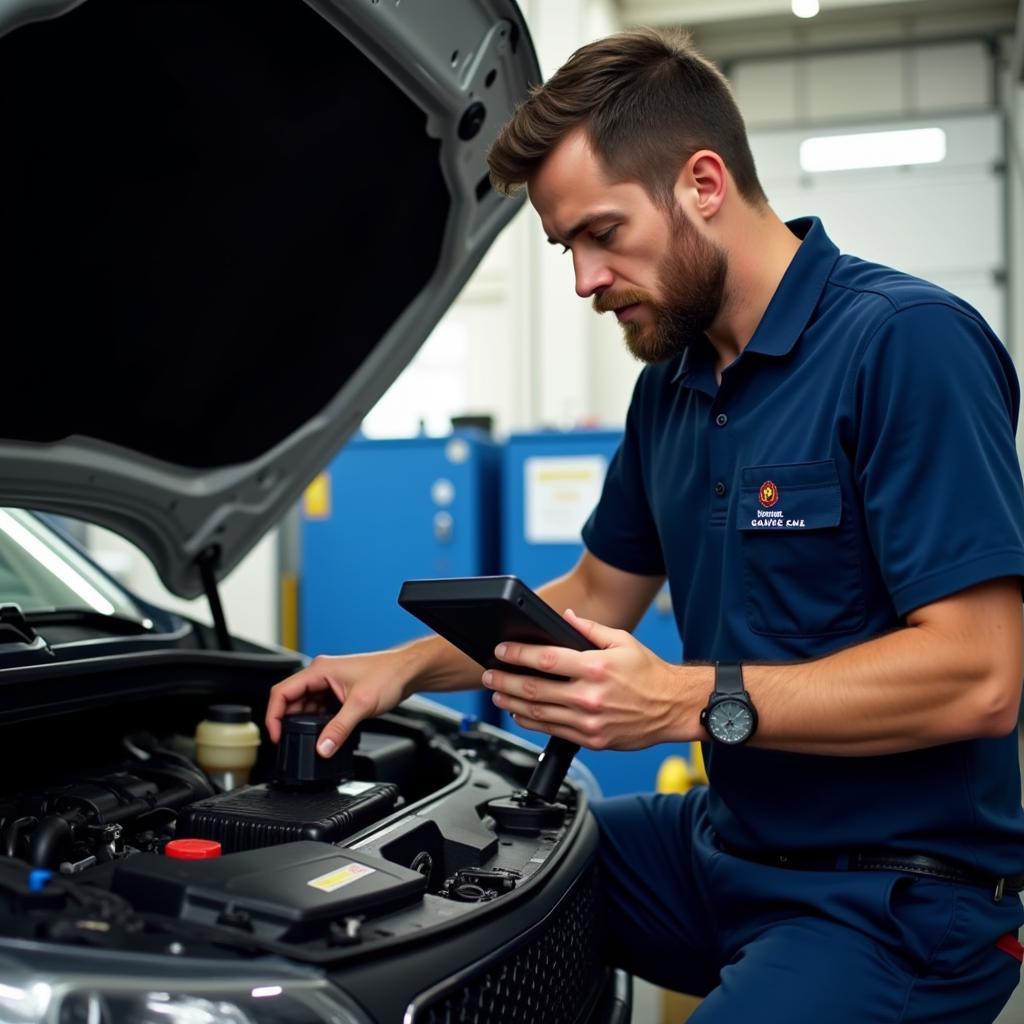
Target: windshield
<point>39,571</point>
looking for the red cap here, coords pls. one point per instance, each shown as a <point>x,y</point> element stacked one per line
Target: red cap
<point>192,849</point>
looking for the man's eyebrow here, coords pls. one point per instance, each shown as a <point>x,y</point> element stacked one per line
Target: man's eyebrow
<point>582,226</point>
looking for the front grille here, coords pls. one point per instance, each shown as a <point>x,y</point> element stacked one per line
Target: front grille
<point>551,976</point>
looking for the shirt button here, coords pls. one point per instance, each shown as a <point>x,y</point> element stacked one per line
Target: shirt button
<point>720,489</point>
<point>721,419</point>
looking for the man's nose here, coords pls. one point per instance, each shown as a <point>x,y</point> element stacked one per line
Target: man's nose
<point>591,276</point>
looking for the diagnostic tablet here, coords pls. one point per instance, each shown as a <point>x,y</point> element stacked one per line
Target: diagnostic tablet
<point>477,613</point>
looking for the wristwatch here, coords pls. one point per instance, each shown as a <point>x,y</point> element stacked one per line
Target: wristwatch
<point>730,717</point>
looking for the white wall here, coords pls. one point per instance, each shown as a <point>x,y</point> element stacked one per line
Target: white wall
<point>249,595</point>
<point>973,247</point>
<point>532,352</point>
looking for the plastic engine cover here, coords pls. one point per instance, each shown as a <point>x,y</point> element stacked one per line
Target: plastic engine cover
<point>268,815</point>
<point>292,893</point>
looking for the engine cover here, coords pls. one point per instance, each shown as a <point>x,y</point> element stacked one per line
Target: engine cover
<point>268,815</point>
<point>293,893</point>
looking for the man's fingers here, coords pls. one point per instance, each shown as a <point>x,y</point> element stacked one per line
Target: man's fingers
<point>548,715</point>
<point>579,695</point>
<point>288,696</point>
<point>557,661</point>
<point>339,728</point>
<point>527,687</point>
<point>599,635</point>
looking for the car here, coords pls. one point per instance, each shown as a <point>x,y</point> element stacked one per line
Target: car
<point>232,223</point>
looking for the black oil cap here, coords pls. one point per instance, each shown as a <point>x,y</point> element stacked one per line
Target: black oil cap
<point>229,713</point>
<point>298,763</point>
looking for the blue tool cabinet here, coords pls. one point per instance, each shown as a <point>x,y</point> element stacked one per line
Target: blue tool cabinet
<point>393,510</point>
<point>550,482</point>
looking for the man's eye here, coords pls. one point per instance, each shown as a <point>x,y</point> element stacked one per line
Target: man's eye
<point>606,236</point>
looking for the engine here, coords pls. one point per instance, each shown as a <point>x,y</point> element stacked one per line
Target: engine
<point>158,794</point>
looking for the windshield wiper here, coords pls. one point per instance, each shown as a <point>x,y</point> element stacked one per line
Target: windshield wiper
<point>14,627</point>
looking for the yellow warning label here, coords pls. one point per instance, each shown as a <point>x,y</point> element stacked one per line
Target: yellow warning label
<point>317,499</point>
<point>344,875</point>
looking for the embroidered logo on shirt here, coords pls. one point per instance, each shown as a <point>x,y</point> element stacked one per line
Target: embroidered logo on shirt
<point>768,495</point>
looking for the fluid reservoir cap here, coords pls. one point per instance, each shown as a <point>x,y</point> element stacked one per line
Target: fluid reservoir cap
<point>299,764</point>
<point>304,725</point>
<point>192,849</point>
<point>229,713</point>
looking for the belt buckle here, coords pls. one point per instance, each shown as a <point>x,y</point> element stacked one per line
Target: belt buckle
<point>1000,886</point>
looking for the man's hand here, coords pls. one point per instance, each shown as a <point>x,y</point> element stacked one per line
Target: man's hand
<point>620,697</point>
<point>366,685</point>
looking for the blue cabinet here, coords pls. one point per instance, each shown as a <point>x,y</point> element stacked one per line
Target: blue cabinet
<point>550,482</point>
<point>387,511</point>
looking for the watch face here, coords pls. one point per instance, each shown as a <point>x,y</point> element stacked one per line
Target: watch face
<point>730,721</point>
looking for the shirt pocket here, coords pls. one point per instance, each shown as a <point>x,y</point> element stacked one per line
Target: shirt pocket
<point>801,557</point>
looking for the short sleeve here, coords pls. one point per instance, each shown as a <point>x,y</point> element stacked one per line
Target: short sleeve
<point>936,402</point>
<point>621,530</point>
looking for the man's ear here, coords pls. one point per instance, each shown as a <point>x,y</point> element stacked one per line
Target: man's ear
<point>702,184</point>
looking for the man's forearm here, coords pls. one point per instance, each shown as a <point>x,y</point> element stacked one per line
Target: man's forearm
<point>929,683</point>
<point>435,665</point>
<point>885,696</point>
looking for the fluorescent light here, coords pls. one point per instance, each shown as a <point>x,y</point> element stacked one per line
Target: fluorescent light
<point>805,8</point>
<point>64,572</point>
<point>873,149</point>
<point>266,990</point>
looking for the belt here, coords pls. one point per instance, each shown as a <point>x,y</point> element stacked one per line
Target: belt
<point>879,860</point>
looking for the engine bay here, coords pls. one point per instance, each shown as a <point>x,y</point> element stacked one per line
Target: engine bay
<point>401,840</point>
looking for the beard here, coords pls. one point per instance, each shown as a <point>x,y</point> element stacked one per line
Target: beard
<point>691,277</point>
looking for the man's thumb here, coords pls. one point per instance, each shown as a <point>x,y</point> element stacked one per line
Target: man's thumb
<point>600,636</point>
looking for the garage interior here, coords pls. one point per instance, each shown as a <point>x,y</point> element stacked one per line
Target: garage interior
<point>519,351</point>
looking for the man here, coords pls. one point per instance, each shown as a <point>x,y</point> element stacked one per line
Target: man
<point>820,457</point>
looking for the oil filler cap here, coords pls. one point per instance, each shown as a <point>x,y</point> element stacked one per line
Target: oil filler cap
<point>192,849</point>
<point>299,764</point>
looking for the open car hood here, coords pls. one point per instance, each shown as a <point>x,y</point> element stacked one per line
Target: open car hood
<point>230,225</point>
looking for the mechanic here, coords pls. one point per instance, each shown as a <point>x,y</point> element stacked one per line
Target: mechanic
<point>819,456</point>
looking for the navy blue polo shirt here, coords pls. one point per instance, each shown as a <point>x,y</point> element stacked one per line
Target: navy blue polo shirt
<point>856,462</point>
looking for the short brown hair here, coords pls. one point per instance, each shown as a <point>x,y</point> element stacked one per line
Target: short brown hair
<point>647,100</point>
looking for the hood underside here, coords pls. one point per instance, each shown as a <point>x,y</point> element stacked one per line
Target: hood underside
<point>231,224</point>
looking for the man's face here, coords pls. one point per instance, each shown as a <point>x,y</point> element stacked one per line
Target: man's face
<point>663,279</point>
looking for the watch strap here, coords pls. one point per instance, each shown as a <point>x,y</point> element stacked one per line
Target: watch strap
<point>728,679</point>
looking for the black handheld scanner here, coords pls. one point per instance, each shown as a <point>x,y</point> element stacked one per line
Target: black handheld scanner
<point>477,613</point>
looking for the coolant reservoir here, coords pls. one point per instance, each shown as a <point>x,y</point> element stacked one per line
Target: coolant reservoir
<point>226,744</point>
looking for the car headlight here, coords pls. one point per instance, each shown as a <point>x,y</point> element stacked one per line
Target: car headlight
<point>68,987</point>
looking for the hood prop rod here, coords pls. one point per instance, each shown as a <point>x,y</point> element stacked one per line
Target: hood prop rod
<point>207,560</point>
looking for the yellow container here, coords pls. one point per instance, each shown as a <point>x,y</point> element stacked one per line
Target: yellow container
<point>227,741</point>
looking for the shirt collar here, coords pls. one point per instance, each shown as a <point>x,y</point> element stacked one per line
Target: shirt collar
<point>794,300</point>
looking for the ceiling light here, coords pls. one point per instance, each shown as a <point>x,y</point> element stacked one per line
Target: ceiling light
<point>873,149</point>
<point>805,8</point>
